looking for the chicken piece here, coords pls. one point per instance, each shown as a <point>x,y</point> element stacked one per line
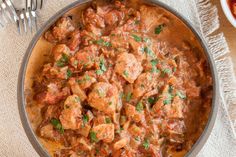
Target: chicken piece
<point>84,59</point>
<point>113,17</point>
<point>137,48</point>
<point>84,130</point>
<point>145,83</point>
<point>90,17</point>
<point>85,144</point>
<point>192,91</point>
<point>149,17</point>
<point>53,94</point>
<point>71,117</point>
<point>86,80</point>
<point>105,132</point>
<point>60,49</point>
<point>128,67</point>
<point>48,132</point>
<point>174,110</point>
<point>119,40</point>
<point>121,143</point>
<point>60,31</point>
<point>136,131</point>
<point>133,114</point>
<point>104,97</point>
<point>74,40</point>
<point>76,89</point>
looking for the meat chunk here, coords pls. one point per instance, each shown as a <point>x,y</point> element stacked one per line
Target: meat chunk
<point>174,110</point>
<point>74,40</point>
<point>105,132</point>
<point>86,80</point>
<point>104,97</point>
<point>85,58</point>
<point>128,67</point>
<point>48,132</point>
<point>76,89</point>
<point>133,114</point>
<point>60,31</point>
<point>121,143</point>
<point>60,49</point>
<point>144,83</point>
<point>71,115</point>
<point>53,94</point>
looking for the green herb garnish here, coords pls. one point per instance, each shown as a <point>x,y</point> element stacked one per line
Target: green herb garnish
<point>126,73</point>
<point>154,68</point>
<point>136,22</point>
<point>102,67</point>
<point>159,28</point>
<point>149,52</point>
<point>146,144</point>
<point>62,61</point>
<point>128,96</point>
<point>152,100</point>
<point>168,100</point>
<point>68,73</point>
<point>57,125</point>
<point>137,38</point>
<point>137,138</point>
<point>101,42</point>
<point>139,107</point>
<point>85,119</point>
<point>93,137</point>
<point>181,95</point>
<point>166,71</point>
<point>108,120</point>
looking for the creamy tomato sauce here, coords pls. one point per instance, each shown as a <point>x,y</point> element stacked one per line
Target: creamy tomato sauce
<point>119,79</point>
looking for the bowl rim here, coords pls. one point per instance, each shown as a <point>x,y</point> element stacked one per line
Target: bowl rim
<point>227,11</point>
<point>21,78</point>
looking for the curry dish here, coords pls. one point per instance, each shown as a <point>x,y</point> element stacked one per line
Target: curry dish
<point>122,80</point>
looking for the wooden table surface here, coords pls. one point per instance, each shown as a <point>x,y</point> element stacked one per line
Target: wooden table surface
<point>228,30</point>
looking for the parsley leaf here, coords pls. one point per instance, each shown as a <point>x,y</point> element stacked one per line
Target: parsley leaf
<point>128,96</point>
<point>57,125</point>
<point>181,95</point>
<point>137,38</point>
<point>126,73</point>
<point>62,61</point>
<point>68,73</point>
<point>168,99</point>
<point>154,68</point>
<point>93,137</point>
<point>166,71</point>
<point>159,28</point>
<point>139,107</point>
<point>101,42</point>
<point>85,119</point>
<point>149,52</point>
<point>146,144</point>
<point>108,120</point>
<point>152,100</point>
<point>102,67</point>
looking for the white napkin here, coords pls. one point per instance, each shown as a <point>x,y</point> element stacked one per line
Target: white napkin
<point>13,141</point>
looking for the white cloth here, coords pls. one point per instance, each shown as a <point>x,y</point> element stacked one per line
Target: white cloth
<point>13,141</point>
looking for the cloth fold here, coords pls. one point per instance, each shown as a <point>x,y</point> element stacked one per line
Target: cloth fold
<point>204,17</point>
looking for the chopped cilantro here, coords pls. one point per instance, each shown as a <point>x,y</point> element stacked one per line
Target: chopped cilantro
<point>62,61</point>
<point>137,38</point>
<point>139,107</point>
<point>68,73</point>
<point>149,51</point>
<point>181,95</point>
<point>102,67</point>
<point>110,103</point>
<point>137,138</point>
<point>152,100</point>
<point>87,77</point>
<point>146,144</point>
<point>57,125</point>
<point>136,22</point>
<point>174,69</point>
<point>154,68</point>
<point>85,119</point>
<point>166,71</point>
<point>108,120</point>
<point>159,28</point>
<point>126,73</point>
<point>93,137</point>
<point>128,96</point>
<point>101,42</point>
<point>168,99</point>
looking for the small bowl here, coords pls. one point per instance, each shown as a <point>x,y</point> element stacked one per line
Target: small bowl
<point>226,8</point>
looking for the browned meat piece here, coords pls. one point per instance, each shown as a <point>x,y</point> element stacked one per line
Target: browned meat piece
<point>76,89</point>
<point>48,132</point>
<point>74,40</point>
<point>53,94</point>
<point>86,80</point>
<point>128,67</point>
<point>133,114</point>
<point>71,117</point>
<point>145,83</point>
<point>105,132</point>
<point>60,31</point>
<point>104,97</point>
<point>60,49</point>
